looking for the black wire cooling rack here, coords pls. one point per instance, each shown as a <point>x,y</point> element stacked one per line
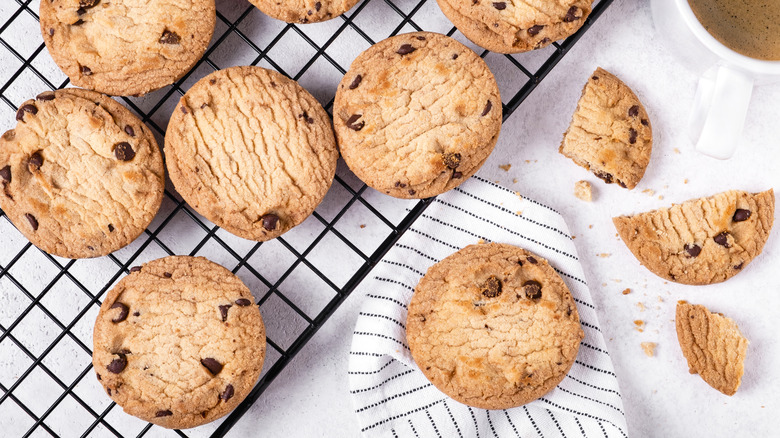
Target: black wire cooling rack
<point>48,304</point>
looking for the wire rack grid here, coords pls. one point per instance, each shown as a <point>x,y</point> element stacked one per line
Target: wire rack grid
<point>48,304</point>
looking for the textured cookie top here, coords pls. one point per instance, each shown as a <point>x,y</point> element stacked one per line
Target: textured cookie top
<point>493,326</point>
<point>610,132</point>
<point>516,25</point>
<point>251,150</point>
<point>417,114</point>
<point>713,346</point>
<point>304,11</point>
<point>126,47</point>
<point>80,175</point>
<point>701,241</point>
<point>179,342</point>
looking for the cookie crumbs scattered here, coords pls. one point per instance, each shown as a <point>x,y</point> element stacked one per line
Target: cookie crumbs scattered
<point>603,284</point>
<point>617,280</point>
<point>626,291</point>
<point>640,325</point>
<point>641,306</point>
<point>676,151</point>
<point>590,226</point>
<point>685,181</point>
<point>660,300</point>
<point>648,348</point>
<point>582,190</point>
<point>519,195</point>
<point>505,167</point>
<point>519,213</point>
<point>573,236</point>
<point>604,255</point>
<point>661,197</point>
<point>649,192</point>
<point>514,181</point>
<point>362,225</point>
<point>481,241</point>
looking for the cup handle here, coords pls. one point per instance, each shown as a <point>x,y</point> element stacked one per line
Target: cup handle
<point>719,111</point>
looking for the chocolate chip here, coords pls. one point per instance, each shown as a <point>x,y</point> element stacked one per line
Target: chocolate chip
<point>355,82</point>
<point>692,249</point>
<point>5,173</point>
<point>135,269</point>
<point>117,365</point>
<point>412,192</point>
<point>451,160</point>
<point>98,376</point>
<point>400,184</point>
<point>46,95</point>
<point>184,110</point>
<point>123,312</point>
<point>487,108</point>
<point>165,413</point>
<point>532,289</point>
<point>607,177</point>
<point>223,310</point>
<point>739,216</point>
<point>631,135</point>
<point>405,49</point>
<point>571,15</point>
<point>499,5</point>
<point>51,31</point>
<point>212,365</point>
<point>212,81</point>
<point>739,266</point>
<point>457,175</point>
<point>35,162</point>
<point>531,260</point>
<point>645,122</point>
<point>622,184</point>
<point>355,126</point>
<point>228,393</point>
<point>9,135</point>
<point>270,221</point>
<point>317,7</point>
<point>633,111</point>
<point>595,78</point>
<point>722,239</point>
<point>29,108</point>
<point>492,287</point>
<point>454,56</point>
<point>32,220</point>
<point>86,71</point>
<point>520,262</point>
<point>534,30</point>
<point>81,11</point>
<point>167,275</point>
<point>169,37</point>
<point>130,131</point>
<point>305,116</point>
<point>110,228</point>
<point>243,302</point>
<point>78,22</point>
<point>123,151</point>
<point>136,313</point>
<point>90,248</point>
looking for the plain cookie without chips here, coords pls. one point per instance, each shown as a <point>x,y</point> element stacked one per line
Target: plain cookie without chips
<point>516,26</point>
<point>493,326</point>
<point>251,150</point>
<point>80,175</point>
<point>304,11</point>
<point>417,114</point>
<point>179,342</point>
<point>713,346</point>
<point>610,133</point>
<point>701,241</point>
<point>126,47</point>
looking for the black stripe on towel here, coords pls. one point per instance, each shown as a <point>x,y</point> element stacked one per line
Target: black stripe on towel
<point>395,417</point>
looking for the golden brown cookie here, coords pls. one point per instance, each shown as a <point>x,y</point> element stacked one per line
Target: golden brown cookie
<point>417,114</point>
<point>493,326</point>
<point>251,150</point>
<point>80,175</point>
<point>701,241</point>
<point>179,342</point>
<point>304,11</point>
<point>126,47</point>
<point>713,346</point>
<point>610,132</point>
<point>516,26</point>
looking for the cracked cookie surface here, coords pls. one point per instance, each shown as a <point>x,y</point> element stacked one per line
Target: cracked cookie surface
<point>179,342</point>
<point>713,346</point>
<point>493,326</point>
<point>610,133</point>
<point>80,175</point>
<point>701,241</point>
<point>126,47</point>
<point>304,11</point>
<point>514,26</point>
<point>251,150</point>
<point>417,114</point>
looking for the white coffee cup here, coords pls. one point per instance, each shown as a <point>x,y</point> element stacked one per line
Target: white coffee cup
<point>726,79</point>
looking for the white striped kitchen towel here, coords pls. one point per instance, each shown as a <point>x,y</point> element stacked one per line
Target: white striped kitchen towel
<point>393,398</point>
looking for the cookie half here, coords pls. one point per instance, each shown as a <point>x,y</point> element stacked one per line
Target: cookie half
<point>701,241</point>
<point>304,11</point>
<point>126,47</point>
<point>251,150</point>
<point>493,326</point>
<point>417,114</point>
<point>516,26</point>
<point>713,346</point>
<point>179,342</point>
<point>80,175</point>
<point>610,133</point>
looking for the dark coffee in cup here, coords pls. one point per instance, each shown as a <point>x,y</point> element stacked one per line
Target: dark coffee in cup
<point>749,27</point>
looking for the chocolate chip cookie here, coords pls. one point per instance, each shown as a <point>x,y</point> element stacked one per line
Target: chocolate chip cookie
<point>493,326</point>
<point>304,11</point>
<point>516,26</point>
<point>179,342</point>
<point>713,346</point>
<point>251,150</point>
<point>80,175</point>
<point>126,47</point>
<point>417,114</point>
<point>701,241</point>
<point>610,133</point>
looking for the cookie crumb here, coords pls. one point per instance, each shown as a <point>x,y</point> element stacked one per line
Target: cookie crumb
<point>676,150</point>
<point>685,181</point>
<point>649,192</point>
<point>514,181</point>
<point>590,226</point>
<point>505,167</point>
<point>648,348</point>
<point>639,325</point>
<point>641,306</point>
<point>604,255</point>
<point>362,225</point>
<point>661,197</point>
<point>481,241</point>
<point>582,190</point>
<point>519,212</point>
<point>626,291</point>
